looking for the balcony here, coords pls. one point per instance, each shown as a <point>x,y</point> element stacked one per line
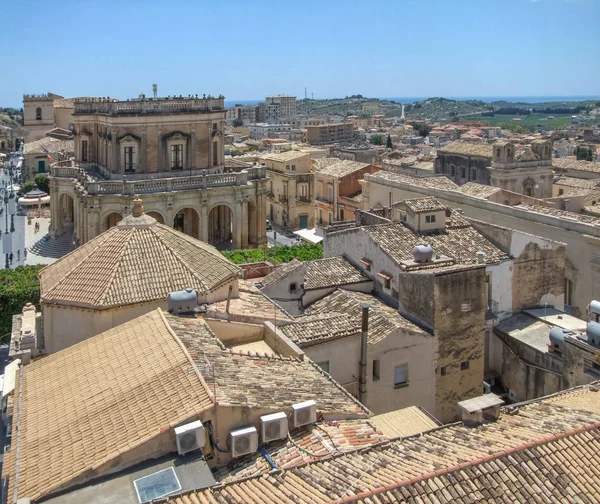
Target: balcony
<point>283,198</point>
<point>95,185</point>
<point>304,199</point>
<point>303,177</point>
<point>324,199</point>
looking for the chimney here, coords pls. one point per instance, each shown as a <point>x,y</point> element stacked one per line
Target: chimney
<point>480,257</point>
<point>362,380</point>
<point>229,298</point>
<point>138,209</point>
<point>479,409</point>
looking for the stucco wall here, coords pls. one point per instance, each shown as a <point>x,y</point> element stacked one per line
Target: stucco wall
<point>582,264</point>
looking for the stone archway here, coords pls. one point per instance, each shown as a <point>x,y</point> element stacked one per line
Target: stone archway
<point>220,227</point>
<point>158,216</point>
<point>187,221</point>
<point>111,219</point>
<point>66,215</point>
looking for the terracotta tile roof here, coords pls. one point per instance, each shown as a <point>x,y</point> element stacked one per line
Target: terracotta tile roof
<point>340,314</point>
<point>285,156</point>
<point>404,422</point>
<point>460,243</point>
<point>53,145</point>
<point>562,214</point>
<point>573,164</point>
<point>136,261</point>
<point>468,149</point>
<point>419,205</point>
<point>331,272</point>
<point>268,381</point>
<point>478,190</point>
<point>341,168</point>
<point>307,444</point>
<point>85,406</point>
<point>437,182</point>
<point>577,182</point>
<point>281,271</point>
<point>549,446</point>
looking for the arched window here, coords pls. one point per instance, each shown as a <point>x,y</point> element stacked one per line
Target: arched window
<point>497,152</point>
<point>38,114</point>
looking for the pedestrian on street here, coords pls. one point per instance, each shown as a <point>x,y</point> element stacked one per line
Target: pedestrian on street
<point>18,254</point>
<point>10,257</point>
<point>25,254</point>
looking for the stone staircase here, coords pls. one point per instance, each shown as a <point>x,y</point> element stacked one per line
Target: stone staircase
<point>46,249</point>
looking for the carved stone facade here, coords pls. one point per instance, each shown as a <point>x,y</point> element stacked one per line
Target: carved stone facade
<point>170,151</point>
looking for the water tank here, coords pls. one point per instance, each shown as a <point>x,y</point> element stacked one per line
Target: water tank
<point>182,301</point>
<point>423,253</point>
<point>593,333</point>
<point>594,307</point>
<point>557,338</point>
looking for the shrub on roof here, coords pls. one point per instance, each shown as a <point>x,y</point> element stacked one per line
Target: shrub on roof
<point>276,255</point>
<point>17,287</point>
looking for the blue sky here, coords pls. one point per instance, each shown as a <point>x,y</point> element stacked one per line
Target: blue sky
<point>249,49</point>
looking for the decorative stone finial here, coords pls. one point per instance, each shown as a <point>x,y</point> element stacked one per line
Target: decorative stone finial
<point>138,208</point>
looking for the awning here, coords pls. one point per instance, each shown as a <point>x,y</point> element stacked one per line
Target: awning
<point>385,275</point>
<point>366,262</point>
<point>309,235</point>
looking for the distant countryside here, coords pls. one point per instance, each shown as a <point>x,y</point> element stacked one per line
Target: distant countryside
<point>527,122</point>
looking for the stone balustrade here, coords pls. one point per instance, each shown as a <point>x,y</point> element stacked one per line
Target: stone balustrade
<point>155,185</point>
<point>147,106</point>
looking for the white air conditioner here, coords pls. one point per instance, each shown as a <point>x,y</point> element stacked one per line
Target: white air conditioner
<point>273,427</point>
<point>189,437</point>
<point>243,441</point>
<point>304,413</point>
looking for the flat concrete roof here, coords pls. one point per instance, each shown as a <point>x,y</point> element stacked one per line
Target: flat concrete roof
<point>528,330</point>
<point>558,318</point>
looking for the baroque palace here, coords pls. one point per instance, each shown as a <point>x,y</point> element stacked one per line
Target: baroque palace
<point>170,150</point>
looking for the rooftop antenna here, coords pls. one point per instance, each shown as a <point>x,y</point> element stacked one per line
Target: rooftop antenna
<point>154,90</point>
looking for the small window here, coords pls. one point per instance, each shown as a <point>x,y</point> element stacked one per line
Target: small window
<point>464,365</point>
<point>452,170</point>
<point>376,369</point>
<point>401,375</point>
<point>38,114</point>
<point>473,174</point>
<point>215,126</point>
<point>324,366</point>
<point>388,283</point>
<point>463,172</point>
<point>84,150</point>
<point>561,192</point>
<point>341,214</point>
<point>293,287</point>
<point>497,152</point>
<point>443,371</point>
<point>287,167</point>
<point>430,219</point>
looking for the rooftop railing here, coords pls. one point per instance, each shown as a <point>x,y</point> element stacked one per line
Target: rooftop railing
<point>95,185</point>
<point>147,106</point>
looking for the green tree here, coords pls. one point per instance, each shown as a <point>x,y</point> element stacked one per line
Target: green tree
<point>237,123</point>
<point>376,139</point>
<point>41,181</point>
<point>17,287</point>
<point>26,187</point>
<point>389,143</point>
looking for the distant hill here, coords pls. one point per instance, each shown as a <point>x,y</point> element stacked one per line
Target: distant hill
<point>13,118</point>
<point>435,109</point>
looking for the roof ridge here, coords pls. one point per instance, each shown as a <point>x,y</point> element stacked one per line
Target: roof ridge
<point>74,268</point>
<point>193,365</point>
<point>181,261</point>
<point>113,274</point>
<point>480,460</point>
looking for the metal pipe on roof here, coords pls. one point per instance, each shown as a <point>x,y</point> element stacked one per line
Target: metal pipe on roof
<point>362,380</point>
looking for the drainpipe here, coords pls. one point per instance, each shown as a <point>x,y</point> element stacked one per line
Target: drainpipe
<point>228,298</point>
<point>362,380</point>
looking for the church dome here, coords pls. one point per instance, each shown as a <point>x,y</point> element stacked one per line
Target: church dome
<point>136,261</point>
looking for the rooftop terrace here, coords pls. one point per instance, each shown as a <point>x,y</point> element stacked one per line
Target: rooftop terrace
<point>149,106</point>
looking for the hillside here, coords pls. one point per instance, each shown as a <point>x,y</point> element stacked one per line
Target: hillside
<point>11,117</point>
<point>435,109</point>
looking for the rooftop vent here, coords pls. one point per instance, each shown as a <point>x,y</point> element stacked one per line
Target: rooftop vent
<point>478,409</point>
<point>480,257</point>
<point>184,301</point>
<point>423,253</point>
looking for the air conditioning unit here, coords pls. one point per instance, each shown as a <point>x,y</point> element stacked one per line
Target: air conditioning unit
<point>189,437</point>
<point>273,426</point>
<point>304,413</point>
<point>243,441</point>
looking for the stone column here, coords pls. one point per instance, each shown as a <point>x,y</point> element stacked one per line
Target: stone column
<point>143,154</point>
<point>261,211</point>
<point>193,163</point>
<point>237,226</point>
<point>159,149</point>
<point>244,222</point>
<point>204,223</point>
<point>114,161</point>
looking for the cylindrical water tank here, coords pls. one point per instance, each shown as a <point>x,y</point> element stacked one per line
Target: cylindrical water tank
<point>423,253</point>
<point>182,301</point>
<point>595,307</point>
<point>593,333</point>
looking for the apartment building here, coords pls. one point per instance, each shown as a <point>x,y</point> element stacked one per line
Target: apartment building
<point>262,130</point>
<point>329,133</point>
<point>290,189</point>
<point>280,108</point>
<point>338,191</point>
